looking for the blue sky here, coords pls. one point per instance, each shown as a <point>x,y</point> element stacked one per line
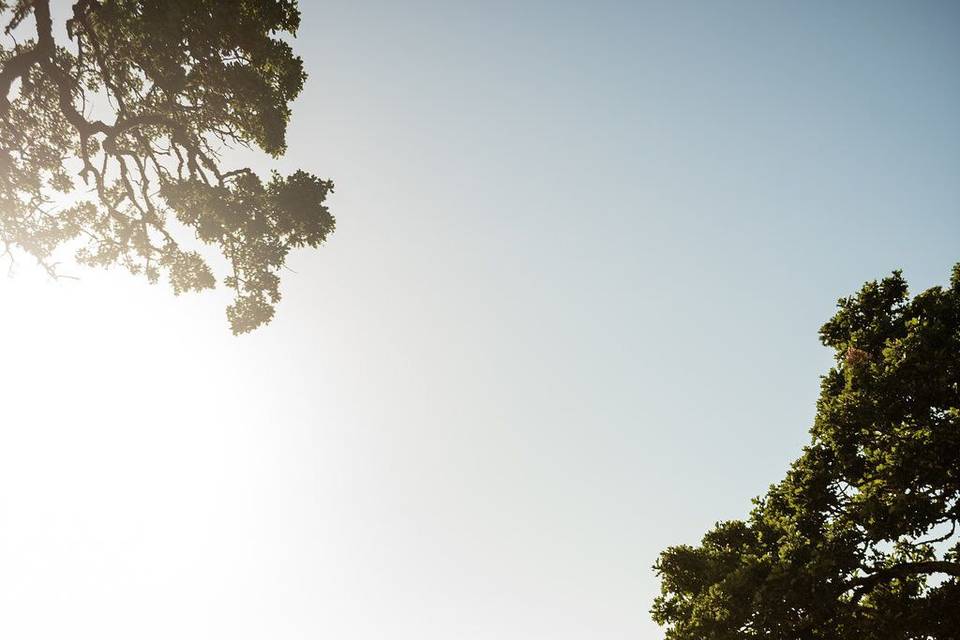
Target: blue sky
<point>568,318</point>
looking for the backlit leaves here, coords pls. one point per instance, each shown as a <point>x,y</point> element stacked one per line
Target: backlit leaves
<point>128,120</point>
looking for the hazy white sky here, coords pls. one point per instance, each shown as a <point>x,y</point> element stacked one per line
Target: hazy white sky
<point>568,318</point>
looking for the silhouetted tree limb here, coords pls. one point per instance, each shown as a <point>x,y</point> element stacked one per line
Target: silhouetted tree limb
<point>183,79</point>
<point>863,585</point>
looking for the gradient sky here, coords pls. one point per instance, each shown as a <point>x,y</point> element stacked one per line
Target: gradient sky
<point>568,318</point>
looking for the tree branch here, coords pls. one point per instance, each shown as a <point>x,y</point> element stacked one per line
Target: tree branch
<point>864,584</point>
<point>16,67</point>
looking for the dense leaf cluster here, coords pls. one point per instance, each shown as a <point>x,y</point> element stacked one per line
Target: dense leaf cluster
<point>859,540</point>
<point>127,123</point>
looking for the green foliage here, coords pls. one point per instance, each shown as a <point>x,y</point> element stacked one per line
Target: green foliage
<point>181,79</point>
<point>859,539</point>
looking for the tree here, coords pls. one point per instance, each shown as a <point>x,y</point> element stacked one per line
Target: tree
<point>112,145</point>
<point>859,540</point>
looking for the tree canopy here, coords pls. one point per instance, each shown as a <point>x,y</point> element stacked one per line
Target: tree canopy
<point>859,540</point>
<point>112,141</point>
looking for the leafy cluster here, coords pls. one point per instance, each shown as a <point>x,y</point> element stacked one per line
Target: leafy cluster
<point>859,540</point>
<point>114,142</point>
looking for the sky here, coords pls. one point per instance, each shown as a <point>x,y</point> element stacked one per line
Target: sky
<point>568,318</point>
